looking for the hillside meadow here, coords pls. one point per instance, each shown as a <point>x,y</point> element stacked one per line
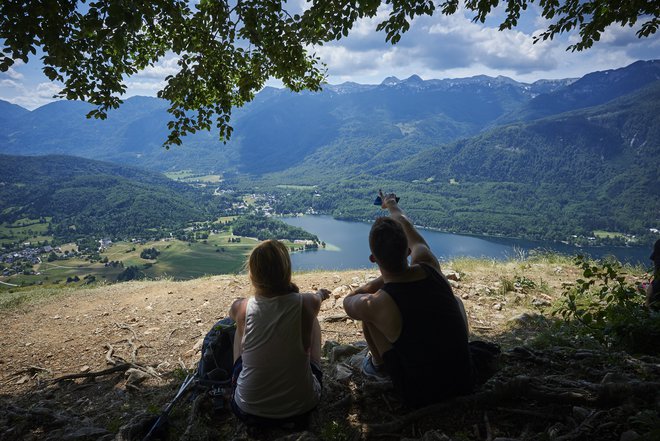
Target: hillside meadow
<point>71,354</point>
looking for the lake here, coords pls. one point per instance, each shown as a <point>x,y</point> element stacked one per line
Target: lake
<point>350,246</point>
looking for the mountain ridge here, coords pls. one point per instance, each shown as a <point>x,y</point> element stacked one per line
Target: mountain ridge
<point>135,137</point>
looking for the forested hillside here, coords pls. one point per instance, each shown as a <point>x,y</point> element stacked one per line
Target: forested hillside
<point>570,174</point>
<point>85,197</point>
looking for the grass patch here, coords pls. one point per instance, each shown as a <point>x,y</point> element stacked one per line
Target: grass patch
<point>24,230</point>
<point>550,257</point>
<point>19,297</point>
<point>190,176</point>
<point>467,265</point>
<point>58,271</point>
<point>180,175</point>
<point>506,285</point>
<point>297,187</point>
<point>183,260</point>
<point>607,234</point>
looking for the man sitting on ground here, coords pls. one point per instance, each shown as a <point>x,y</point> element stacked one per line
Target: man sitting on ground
<point>415,327</point>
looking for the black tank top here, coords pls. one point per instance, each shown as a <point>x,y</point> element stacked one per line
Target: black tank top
<point>430,361</point>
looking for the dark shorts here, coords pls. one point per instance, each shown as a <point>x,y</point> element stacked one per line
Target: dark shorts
<point>297,421</point>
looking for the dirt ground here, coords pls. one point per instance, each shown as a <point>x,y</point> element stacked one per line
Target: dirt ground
<point>158,326</point>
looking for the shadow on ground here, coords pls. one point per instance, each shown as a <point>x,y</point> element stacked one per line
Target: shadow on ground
<point>542,391</point>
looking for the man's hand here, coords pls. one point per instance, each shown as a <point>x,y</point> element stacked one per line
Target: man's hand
<point>370,287</point>
<point>359,290</point>
<point>389,200</point>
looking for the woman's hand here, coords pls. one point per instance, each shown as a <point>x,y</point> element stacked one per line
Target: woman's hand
<point>323,293</point>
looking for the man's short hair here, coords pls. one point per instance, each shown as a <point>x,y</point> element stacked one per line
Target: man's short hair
<point>388,244</point>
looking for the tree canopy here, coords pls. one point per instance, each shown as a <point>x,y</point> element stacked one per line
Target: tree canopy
<point>227,50</point>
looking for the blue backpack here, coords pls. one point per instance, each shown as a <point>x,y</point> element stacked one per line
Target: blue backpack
<point>215,366</point>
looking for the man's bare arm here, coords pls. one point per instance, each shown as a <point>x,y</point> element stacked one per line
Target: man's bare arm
<point>420,252</point>
<point>370,287</point>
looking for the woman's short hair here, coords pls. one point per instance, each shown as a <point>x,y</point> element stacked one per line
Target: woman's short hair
<point>269,267</point>
<point>388,244</point>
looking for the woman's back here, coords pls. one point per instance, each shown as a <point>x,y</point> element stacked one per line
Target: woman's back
<point>276,380</point>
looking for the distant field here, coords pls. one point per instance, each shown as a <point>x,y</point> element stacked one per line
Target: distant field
<point>190,176</point>
<point>607,234</point>
<point>189,260</point>
<point>58,271</point>
<point>182,260</point>
<point>24,230</point>
<point>61,269</point>
<point>180,175</point>
<point>297,187</point>
<point>177,260</point>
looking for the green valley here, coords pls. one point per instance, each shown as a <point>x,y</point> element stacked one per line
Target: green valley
<point>547,160</point>
<point>68,220</point>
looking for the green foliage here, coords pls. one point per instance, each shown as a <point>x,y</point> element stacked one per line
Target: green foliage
<point>264,228</point>
<point>506,285</point>
<point>130,273</point>
<point>179,374</point>
<point>605,306</point>
<point>524,283</point>
<point>591,17</point>
<point>227,52</point>
<point>149,253</point>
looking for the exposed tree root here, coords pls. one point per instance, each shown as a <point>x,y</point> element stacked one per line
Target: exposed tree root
<point>111,370</point>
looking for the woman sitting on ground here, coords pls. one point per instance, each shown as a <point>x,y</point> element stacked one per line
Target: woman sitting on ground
<point>277,348</point>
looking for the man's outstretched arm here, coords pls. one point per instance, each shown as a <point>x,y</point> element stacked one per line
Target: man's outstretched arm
<point>420,252</point>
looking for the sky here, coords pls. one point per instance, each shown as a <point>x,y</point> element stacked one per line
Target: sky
<point>435,47</point>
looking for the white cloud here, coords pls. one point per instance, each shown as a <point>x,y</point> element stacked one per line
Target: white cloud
<point>164,67</point>
<point>152,79</point>
<point>10,84</point>
<point>13,74</point>
<point>30,97</point>
<point>48,90</point>
<point>149,88</point>
<point>454,46</point>
<point>435,46</point>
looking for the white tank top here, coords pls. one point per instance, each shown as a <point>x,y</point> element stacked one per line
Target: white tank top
<point>276,380</point>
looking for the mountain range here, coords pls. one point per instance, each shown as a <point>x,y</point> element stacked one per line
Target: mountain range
<point>487,155</point>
